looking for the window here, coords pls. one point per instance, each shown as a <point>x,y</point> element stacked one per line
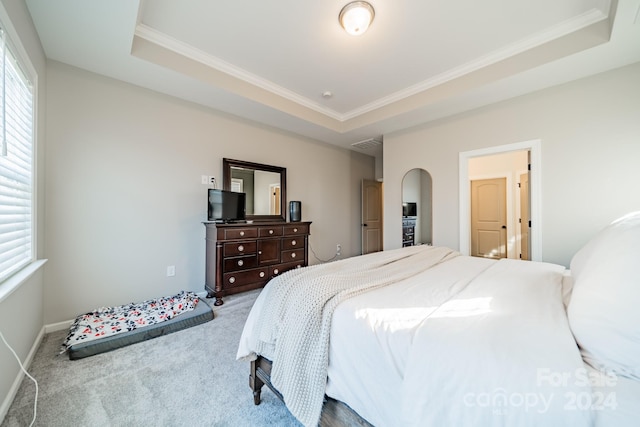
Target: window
<point>16,162</point>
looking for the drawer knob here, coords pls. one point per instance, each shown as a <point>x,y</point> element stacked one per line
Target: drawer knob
<point>259,252</point>
<point>242,233</point>
<point>240,248</point>
<point>295,230</point>
<point>275,271</point>
<point>293,255</point>
<point>270,231</point>
<point>240,263</point>
<point>232,279</point>
<point>262,274</point>
<point>293,243</point>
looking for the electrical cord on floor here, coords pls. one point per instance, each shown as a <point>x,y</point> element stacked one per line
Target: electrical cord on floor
<point>35,401</point>
<point>322,260</point>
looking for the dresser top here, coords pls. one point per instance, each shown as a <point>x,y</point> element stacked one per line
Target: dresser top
<point>253,224</point>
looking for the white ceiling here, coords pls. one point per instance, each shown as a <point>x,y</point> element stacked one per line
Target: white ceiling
<point>271,61</point>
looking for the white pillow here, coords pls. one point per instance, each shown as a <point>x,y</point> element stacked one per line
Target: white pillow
<point>604,311</point>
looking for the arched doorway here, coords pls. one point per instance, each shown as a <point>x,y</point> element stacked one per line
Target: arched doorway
<point>417,208</point>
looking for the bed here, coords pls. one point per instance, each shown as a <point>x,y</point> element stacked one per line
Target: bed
<point>425,336</point>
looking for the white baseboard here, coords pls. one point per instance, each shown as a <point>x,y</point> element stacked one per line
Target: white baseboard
<point>16,384</point>
<point>46,329</point>
<point>53,327</point>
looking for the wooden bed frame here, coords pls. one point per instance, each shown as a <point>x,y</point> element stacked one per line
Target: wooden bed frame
<point>334,413</point>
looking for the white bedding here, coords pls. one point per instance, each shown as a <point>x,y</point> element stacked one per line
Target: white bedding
<point>488,356</point>
<point>292,326</point>
<point>381,325</point>
<point>468,342</point>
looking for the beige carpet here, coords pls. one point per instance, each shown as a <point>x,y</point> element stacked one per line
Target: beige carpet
<point>188,378</point>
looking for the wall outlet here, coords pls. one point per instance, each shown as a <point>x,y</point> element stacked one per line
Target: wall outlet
<point>338,249</point>
<point>171,271</point>
<point>208,180</point>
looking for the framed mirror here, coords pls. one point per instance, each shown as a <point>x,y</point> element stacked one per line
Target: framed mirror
<point>264,185</point>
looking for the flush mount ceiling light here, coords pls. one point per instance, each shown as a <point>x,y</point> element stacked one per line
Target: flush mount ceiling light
<point>356,17</point>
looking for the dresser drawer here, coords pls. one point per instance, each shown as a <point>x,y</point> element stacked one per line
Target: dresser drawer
<point>240,233</point>
<point>239,248</point>
<point>293,242</point>
<point>293,255</point>
<point>291,230</point>
<point>272,231</point>
<point>276,270</point>
<point>245,256</point>
<point>240,263</point>
<point>245,277</point>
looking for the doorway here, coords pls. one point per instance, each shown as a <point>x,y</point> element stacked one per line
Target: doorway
<point>525,222</point>
<point>274,199</point>
<point>417,224</point>
<point>371,224</point>
<point>523,240</point>
<point>489,218</point>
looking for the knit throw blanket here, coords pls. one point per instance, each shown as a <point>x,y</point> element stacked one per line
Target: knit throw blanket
<point>293,328</point>
<point>107,321</point>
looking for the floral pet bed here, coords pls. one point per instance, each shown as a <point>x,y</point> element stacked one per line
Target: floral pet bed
<point>108,328</point>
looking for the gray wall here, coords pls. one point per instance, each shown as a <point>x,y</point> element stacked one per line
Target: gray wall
<point>590,145</point>
<point>125,198</point>
<point>425,208</point>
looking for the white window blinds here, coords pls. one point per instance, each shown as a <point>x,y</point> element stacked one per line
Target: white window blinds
<point>16,163</point>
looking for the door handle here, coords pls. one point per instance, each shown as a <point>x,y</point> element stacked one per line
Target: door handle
<point>504,227</point>
<point>364,225</point>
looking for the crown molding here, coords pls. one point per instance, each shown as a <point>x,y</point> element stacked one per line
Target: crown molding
<point>163,40</point>
<point>590,17</point>
<point>567,27</point>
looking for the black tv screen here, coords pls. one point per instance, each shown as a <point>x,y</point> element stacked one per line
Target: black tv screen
<point>226,206</point>
<point>409,209</point>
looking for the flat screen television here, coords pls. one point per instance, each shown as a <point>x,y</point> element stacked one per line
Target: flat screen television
<point>409,209</point>
<point>226,206</point>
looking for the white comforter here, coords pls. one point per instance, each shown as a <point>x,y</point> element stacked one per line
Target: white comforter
<point>467,342</point>
<point>292,326</point>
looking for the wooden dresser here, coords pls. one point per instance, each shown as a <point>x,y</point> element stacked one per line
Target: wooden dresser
<point>408,231</point>
<point>241,257</point>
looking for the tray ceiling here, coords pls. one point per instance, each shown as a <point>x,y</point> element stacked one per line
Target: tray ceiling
<point>272,61</point>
